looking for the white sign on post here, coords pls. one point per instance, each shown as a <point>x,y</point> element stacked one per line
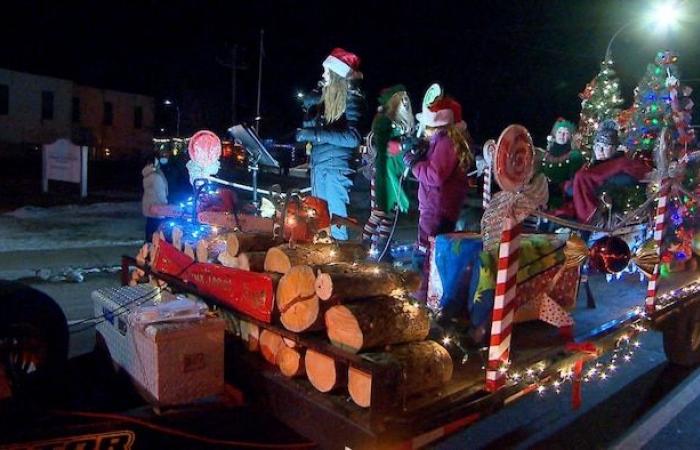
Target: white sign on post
<point>64,161</point>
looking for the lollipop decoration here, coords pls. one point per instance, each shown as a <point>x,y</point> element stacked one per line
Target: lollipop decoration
<point>513,165</point>
<point>204,150</point>
<point>432,94</point>
<point>513,160</point>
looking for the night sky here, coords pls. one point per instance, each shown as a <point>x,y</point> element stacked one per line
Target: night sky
<point>518,61</point>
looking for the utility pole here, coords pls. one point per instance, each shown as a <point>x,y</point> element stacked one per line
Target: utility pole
<point>233,65</point>
<point>260,61</point>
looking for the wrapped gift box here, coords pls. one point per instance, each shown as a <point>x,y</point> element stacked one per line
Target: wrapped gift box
<point>173,362</point>
<point>462,277</point>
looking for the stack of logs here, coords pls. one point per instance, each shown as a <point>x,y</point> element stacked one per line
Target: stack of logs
<point>362,307</point>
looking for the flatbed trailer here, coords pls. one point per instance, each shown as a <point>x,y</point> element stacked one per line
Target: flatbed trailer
<point>539,357</point>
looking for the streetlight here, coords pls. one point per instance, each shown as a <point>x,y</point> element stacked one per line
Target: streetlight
<point>664,15</point>
<point>167,102</point>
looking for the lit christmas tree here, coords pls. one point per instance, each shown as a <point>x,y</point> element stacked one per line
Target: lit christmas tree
<point>659,101</point>
<point>600,100</point>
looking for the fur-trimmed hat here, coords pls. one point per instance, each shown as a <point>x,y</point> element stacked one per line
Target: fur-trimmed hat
<point>342,62</point>
<point>443,112</point>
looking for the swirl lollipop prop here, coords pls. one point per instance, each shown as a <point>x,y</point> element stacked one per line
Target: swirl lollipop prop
<point>513,166</point>
<point>204,150</point>
<point>432,94</point>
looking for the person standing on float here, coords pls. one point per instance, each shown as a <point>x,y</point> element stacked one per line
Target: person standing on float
<point>332,132</point>
<point>392,124</point>
<point>442,176</point>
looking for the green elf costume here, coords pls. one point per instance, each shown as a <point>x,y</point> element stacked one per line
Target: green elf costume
<point>393,121</point>
<point>560,162</point>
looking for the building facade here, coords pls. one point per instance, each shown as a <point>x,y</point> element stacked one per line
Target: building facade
<point>37,110</point>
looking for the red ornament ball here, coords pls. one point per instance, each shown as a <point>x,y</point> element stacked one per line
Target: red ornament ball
<point>610,255</point>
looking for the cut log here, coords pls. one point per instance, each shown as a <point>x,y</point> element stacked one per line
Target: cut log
<point>252,261</point>
<point>297,302</point>
<point>250,333</point>
<point>324,372</point>
<point>239,242</point>
<point>202,251</point>
<point>355,281</point>
<point>270,344</point>
<point>177,237</point>
<point>291,361</point>
<point>376,322</point>
<point>423,366</point>
<point>229,261</point>
<point>281,258</point>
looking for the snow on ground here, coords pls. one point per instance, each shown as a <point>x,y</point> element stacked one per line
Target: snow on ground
<point>71,226</point>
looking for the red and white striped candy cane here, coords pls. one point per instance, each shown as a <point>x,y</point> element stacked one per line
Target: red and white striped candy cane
<point>486,199</point>
<point>659,227</point>
<point>503,305</point>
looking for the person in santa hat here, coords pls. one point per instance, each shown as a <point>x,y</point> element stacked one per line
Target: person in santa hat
<point>442,176</point>
<point>331,132</point>
<point>392,124</point>
<point>611,166</point>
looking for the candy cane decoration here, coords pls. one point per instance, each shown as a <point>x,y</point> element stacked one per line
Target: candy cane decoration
<point>487,186</point>
<point>659,226</point>
<point>504,306</point>
<point>488,151</point>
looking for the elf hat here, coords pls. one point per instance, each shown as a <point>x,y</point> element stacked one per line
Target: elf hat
<point>342,62</point>
<point>445,111</point>
<point>563,123</point>
<point>386,94</point>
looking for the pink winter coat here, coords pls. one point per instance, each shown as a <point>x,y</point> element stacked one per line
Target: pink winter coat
<point>443,184</point>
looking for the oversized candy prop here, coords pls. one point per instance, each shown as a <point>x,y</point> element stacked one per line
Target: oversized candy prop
<point>610,255</point>
<point>204,150</point>
<point>513,166</point>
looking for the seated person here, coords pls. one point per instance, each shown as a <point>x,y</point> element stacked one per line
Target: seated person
<point>609,166</point>
<point>561,160</point>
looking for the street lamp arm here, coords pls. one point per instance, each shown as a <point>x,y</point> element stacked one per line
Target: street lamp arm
<point>622,28</point>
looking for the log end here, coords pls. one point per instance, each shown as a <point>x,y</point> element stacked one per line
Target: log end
<point>270,345</point>
<point>290,362</point>
<point>324,286</point>
<point>232,245</point>
<point>321,370</point>
<point>277,261</point>
<point>343,329</point>
<point>296,299</point>
<point>360,387</point>
<point>243,262</point>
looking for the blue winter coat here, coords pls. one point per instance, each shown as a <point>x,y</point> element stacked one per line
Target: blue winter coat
<point>335,143</point>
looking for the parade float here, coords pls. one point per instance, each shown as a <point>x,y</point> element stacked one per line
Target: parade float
<point>317,334</point>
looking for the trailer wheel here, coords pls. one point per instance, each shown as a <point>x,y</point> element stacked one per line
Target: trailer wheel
<point>33,334</point>
<point>682,337</point>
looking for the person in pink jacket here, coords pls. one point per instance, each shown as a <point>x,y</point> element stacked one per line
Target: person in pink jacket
<point>441,171</point>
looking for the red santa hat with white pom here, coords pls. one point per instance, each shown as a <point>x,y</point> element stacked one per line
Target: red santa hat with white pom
<point>444,111</point>
<point>342,62</point>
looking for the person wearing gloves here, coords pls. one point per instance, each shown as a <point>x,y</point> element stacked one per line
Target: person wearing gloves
<point>610,166</point>
<point>392,124</point>
<point>155,193</point>
<point>441,171</point>
<point>331,131</point>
